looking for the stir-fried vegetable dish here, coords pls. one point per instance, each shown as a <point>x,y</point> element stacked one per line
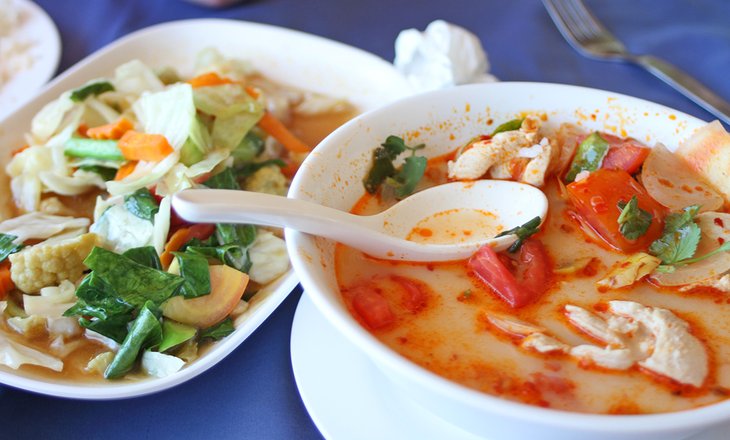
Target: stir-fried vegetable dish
<point>99,278</point>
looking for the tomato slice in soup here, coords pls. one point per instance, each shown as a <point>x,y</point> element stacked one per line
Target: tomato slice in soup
<point>627,156</point>
<point>519,279</point>
<point>596,199</point>
<point>381,300</point>
<point>372,307</point>
<point>414,298</point>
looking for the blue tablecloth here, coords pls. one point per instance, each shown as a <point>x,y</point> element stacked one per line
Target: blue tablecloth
<point>252,393</point>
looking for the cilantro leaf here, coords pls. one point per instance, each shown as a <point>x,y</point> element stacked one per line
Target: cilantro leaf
<point>394,146</point>
<point>405,180</point>
<point>382,168</point>
<point>680,237</point>
<point>633,221</point>
<point>512,125</point>
<point>522,232</point>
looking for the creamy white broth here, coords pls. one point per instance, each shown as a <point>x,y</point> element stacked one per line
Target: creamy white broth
<point>452,337</point>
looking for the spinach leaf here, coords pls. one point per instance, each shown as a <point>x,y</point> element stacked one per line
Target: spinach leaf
<point>522,232</point>
<point>381,169</point>
<point>680,237</point>
<point>7,246</point>
<point>174,334</point>
<point>106,173</point>
<point>96,88</point>
<point>226,179</point>
<point>512,125</point>
<point>405,180</point>
<point>93,148</point>
<point>146,331</point>
<point>132,282</point>
<point>142,204</point>
<point>633,221</point>
<point>589,156</point>
<point>218,331</point>
<point>243,235</point>
<point>146,256</point>
<point>234,255</point>
<point>194,270</point>
<point>100,309</point>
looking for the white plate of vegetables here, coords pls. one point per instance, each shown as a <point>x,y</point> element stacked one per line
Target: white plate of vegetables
<point>106,293</point>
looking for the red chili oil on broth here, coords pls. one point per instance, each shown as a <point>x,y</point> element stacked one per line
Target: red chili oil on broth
<point>450,336</point>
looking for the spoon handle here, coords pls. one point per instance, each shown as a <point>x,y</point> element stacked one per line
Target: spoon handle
<point>231,206</point>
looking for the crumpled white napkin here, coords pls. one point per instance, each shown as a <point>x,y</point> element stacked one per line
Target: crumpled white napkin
<point>443,55</point>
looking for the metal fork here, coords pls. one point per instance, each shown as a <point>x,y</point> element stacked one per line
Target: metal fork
<point>588,36</point>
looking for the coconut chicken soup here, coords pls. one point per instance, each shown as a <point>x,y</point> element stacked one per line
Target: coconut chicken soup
<point>99,279</point>
<point>616,303</point>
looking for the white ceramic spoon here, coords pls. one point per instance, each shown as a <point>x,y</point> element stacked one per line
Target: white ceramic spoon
<point>383,235</point>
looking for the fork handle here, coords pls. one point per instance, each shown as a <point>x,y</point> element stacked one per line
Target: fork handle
<point>687,85</point>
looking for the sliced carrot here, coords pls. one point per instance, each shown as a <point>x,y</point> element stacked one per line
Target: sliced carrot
<point>125,170</point>
<point>20,150</point>
<point>182,236</point>
<point>144,146</point>
<point>113,130</point>
<point>278,130</point>
<point>81,129</point>
<point>6,282</point>
<point>252,92</point>
<point>178,239</point>
<point>208,79</point>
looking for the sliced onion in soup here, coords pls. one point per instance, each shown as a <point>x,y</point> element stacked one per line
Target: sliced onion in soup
<point>715,228</point>
<point>671,182</point>
<point>708,152</point>
<point>568,137</point>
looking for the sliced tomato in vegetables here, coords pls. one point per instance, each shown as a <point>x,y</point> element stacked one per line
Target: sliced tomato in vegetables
<point>596,199</point>
<point>518,280</point>
<point>372,307</point>
<point>627,156</point>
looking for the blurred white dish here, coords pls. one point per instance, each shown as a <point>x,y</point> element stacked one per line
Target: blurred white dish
<point>290,57</point>
<point>444,120</point>
<point>38,36</point>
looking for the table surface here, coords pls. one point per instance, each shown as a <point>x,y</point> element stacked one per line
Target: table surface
<point>252,393</point>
